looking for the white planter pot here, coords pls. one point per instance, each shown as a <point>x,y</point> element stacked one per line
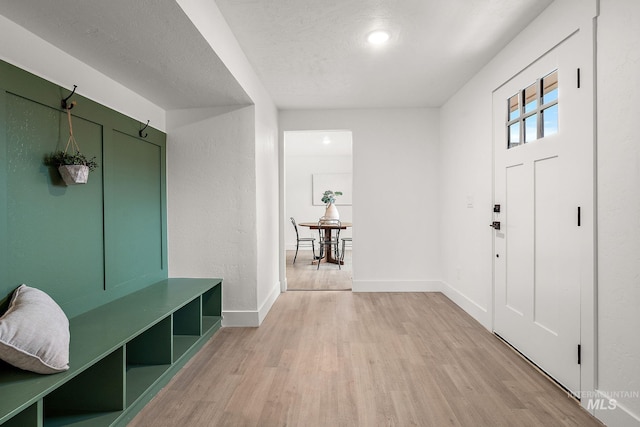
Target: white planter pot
<point>74,174</point>
<point>331,212</point>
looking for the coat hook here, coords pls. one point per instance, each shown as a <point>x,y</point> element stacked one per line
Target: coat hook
<point>140,131</point>
<point>64,104</point>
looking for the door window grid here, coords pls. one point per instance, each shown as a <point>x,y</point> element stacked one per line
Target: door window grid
<point>532,113</point>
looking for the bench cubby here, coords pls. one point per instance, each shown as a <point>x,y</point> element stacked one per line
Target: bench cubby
<point>121,354</point>
<point>187,327</point>
<point>92,395</point>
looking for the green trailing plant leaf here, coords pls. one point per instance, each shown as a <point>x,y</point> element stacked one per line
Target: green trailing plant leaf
<point>60,158</point>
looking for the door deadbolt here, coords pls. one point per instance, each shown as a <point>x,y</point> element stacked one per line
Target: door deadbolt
<point>495,224</point>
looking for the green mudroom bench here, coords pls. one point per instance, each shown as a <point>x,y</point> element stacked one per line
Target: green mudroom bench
<point>121,354</point>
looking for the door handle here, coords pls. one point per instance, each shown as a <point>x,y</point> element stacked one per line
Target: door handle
<point>495,225</point>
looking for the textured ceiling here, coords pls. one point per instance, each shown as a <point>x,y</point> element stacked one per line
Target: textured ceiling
<point>149,46</point>
<point>307,53</point>
<point>313,54</point>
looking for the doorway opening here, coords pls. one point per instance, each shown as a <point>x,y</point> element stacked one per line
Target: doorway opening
<point>316,161</point>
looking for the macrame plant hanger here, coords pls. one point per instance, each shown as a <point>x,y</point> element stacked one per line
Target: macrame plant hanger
<point>73,173</point>
<point>72,139</point>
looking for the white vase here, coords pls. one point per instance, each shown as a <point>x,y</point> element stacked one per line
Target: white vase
<point>331,212</point>
<point>74,174</point>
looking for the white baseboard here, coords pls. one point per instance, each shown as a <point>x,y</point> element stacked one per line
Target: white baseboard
<point>251,318</point>
<point>481,314</point>
<point>396,286</point>
<point>240,318</point>
<point>610,412</point>
<point>268,303</point>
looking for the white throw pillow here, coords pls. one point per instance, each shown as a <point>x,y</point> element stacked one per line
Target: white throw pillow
<point>34,333</point>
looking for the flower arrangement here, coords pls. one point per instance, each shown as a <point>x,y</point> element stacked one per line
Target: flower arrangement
<point>329,197</point>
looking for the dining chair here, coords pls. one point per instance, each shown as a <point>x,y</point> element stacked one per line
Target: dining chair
<point>303,241</point>
<point>345,241</point>
<point>329,238</point>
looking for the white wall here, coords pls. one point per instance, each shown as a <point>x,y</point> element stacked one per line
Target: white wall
<point>212,214</point>
<point>29,52</point>
<point>267,204</point>
<point>619,208</point>
<point>466,176</point>
<point>395,193</point>
<point>254,295</point>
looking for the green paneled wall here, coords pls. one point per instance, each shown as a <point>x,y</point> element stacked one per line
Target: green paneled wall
<point>84,244</point>
<point>132,188</point>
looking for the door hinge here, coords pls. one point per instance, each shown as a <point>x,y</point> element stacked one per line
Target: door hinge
<point>579,354</point>
<point>579,216</point>
<point>578,77</point>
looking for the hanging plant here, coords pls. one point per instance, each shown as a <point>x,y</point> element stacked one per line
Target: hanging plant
<point>73,166</point>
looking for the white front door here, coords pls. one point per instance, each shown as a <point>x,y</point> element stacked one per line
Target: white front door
<point>540,170</point>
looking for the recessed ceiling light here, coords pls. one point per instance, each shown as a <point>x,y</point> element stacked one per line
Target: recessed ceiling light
<point>378,37</point>
<point>326,140</point>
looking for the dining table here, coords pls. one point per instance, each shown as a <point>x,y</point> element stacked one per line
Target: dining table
<point>331,229</point>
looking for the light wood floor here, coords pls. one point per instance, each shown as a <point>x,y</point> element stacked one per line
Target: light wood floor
<point>365,359</point>
<point>305,275</point>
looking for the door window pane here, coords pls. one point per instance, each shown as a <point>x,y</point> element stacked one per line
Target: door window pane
<point>514,135</point>
<point>531,128</point>
<point>550,88</point>
<point>550,120</point>
<point>530,98</point>
<point>514,107</point>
